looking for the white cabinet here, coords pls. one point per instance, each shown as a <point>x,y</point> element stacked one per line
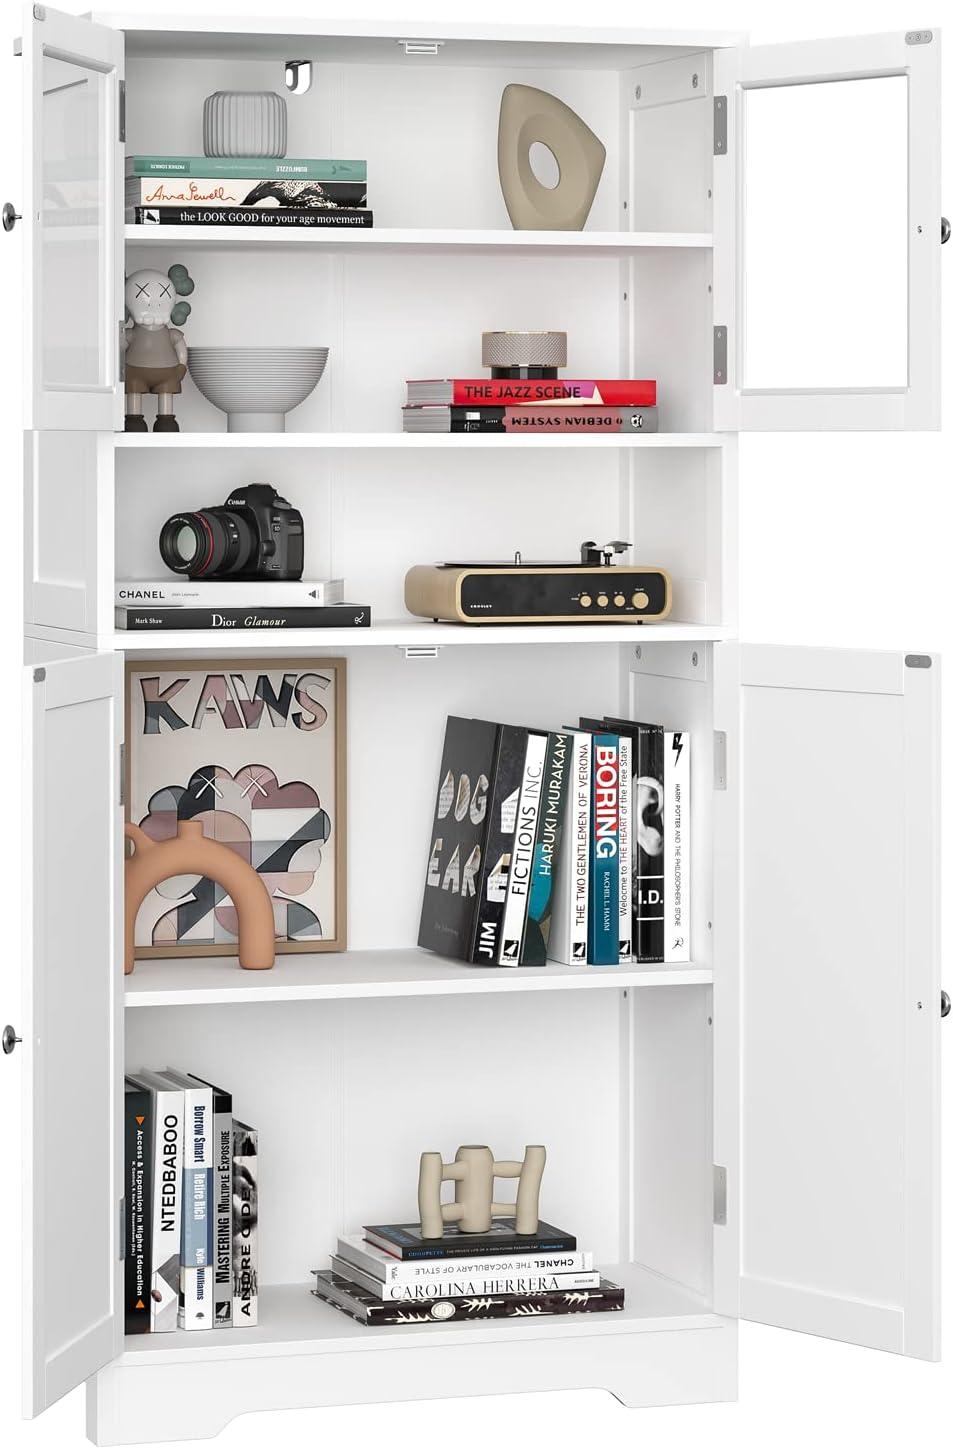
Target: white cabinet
<point>751,1135</point>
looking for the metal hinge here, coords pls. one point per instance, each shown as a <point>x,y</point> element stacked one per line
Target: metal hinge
<point>720,137</point>
<point>122,773</point>
<point>720,760</point>
<point>720,356</point>
<point>122,110</point>
<point>719,1196</point>
<point>122,1229</point>
<point>39,12</point>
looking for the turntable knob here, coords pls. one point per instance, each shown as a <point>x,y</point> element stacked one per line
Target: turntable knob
<point>640,599</point>
<point>619,600</point>
<point>602,600</point>
<point>585,601</point>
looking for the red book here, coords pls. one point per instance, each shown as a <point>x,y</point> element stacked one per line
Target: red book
<point>489,392</point>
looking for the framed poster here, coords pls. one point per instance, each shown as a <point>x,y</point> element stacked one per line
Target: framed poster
<point>255,750</point>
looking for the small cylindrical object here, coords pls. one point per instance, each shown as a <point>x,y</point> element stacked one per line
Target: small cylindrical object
<point>524,354</point>
<point>474,1189</point>
<point>527,1194</point>
<point>428,1195</point>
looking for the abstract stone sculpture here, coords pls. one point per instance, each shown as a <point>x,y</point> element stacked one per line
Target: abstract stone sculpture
<point>527,116</point>
<point>473,1209</point>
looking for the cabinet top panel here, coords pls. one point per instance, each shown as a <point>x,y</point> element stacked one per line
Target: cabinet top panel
<point>379,42</point>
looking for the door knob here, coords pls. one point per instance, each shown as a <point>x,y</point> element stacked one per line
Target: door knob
<point>944,229</point>
<point>9,216</point>
<point>945,1003</point>
<point>9,1040</point>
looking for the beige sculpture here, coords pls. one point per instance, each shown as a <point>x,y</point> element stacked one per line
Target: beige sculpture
<point>527,116</point>
<point>191,853</point>
<point>473,1209</point>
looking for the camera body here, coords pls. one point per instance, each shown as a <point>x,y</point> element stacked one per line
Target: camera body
<point>255,534</point>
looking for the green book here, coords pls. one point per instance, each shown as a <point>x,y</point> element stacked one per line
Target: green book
<point>248,168</point>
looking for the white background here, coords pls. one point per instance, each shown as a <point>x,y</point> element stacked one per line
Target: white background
<point>844,540</point>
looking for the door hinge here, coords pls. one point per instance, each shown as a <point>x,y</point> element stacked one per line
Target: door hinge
<point>39,12</point>
<point>122,773</point>
<point>720,356</point>
<point>720,138</point>
<point>122,110</point>
<point>918,37</point>
<point>122,1230</point>
<point>720,1196</point>
<point>720,760</point>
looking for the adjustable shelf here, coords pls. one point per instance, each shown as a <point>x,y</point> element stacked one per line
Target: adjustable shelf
<point>463,442</point>
<point>419,240</point>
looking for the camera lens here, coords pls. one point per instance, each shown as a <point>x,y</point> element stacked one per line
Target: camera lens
<point>210,543</point>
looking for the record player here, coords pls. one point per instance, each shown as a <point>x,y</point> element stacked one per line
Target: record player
<point>592,589</point>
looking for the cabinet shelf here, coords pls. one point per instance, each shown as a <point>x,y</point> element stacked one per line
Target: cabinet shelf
<point>419,240</point>
<point>463,442</point>
<point>211,980</point>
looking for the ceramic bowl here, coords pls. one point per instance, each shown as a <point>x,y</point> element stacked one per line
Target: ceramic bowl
<point>256,386</point>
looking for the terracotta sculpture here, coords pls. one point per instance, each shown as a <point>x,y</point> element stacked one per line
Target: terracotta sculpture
<point>191,853</point>
<point>473,1209</point>
<point>528,115</point>
<point>156,357</point>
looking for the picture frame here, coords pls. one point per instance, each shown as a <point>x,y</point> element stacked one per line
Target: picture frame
<point>236,733</point>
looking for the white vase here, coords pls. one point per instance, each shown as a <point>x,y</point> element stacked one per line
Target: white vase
<point>245,123</point>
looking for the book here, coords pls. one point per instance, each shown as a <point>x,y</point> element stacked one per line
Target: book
<point>315,616</point>
<point>244,1224</point>
<point>552,417</point>
<point>167,1107</point>
<point>604,850</point>
<point>569,932</point>
<point>503,801</point>
<point>248,167</point>
<point>455,865</point>
<point>196,1308</point>
<point>221,1205</point>
<point>510,951</point>
<point>483,392</point>
<point>649,863</point>
<point>676,810</point>
<point>358,1253</point>
<point>250,216</point>
<point>185,593</point>
<point>465,1284</point>
<point>205,190</point>
<point>549,829</point>
<point>403,1240</point>
<point>366,1308</point>
<point>626,822</point>
<point>197,1170</point>
<point>137,1138</point>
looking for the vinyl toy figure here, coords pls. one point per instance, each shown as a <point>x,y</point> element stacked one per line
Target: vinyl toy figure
<point>156,354</point>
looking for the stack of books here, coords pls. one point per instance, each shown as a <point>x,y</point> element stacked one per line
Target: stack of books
<point>575,845</point>
<point>391,1275</point>
<point>246,191</point>
<point>191,1192</point>
<point>182,603</point>
<point>531,405</point>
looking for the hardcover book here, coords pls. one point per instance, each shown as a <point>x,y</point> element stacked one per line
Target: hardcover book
<point>604,850</point>
<point>250,216</point>
<point>551,418</point>
<point>198,1173</point>
<point>294,168</point>
<point>196,1299</point>
<point>404,1240</point>
<point>244,1225</point>
<point>677,903</point>
<point>464,1284</point>
<point>549,831</point>
<point>626,820</point>
<point>357,1252</point>
<point>221,1204</point>
<point>167,1112</point>
<point>366,1308</point>
<point>524,843</point>
<point>137,1135</point>
<point>569,933</point>
<point>503,802</point>
<point>206,190</point>
<point>649,862</point>
<point>513,392</point>
<point>174,592</point>
<point>333,616</point>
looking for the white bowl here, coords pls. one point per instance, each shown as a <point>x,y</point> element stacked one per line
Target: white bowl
<point>256,386</point>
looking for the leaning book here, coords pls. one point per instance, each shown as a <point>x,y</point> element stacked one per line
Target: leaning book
<point>366,1308</point>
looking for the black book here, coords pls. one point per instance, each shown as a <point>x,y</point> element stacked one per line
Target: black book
<point>502,806</point>
<point>312,616</point>
<point>367,1308</point>
<point>549,828</point>
<point>648,894</point>
<point>457,857</point>
<point>138,1130</point>
<point>404,1241</point>
<point>249,216</point>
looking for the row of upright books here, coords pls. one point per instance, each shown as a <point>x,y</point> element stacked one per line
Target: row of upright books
<point>530,405</point>
<point>246,191</point>
<point>191,1193</point>
<point>570,845</point>
<point>391,1275</point>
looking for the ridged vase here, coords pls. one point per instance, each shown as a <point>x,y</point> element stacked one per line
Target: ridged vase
<point>245,123</point>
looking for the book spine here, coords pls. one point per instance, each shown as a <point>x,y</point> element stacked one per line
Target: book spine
<point>521,863</point>
<point>447,1248</point>
<point>198,1183</point>
<point>244,1225</point>
<point>464,1285</point>
<point>550,418</point>
<point>503,805</point>
<point>546,850</point>
<point>138,1193</point>
<point>581,392</point>
<point>626,818</point>
<point>250,216</point>
<point>334,616</point>
<point>196,1291</point>
<point>359,1254</point>
<point>604,860</point>
<point>569,936</point>
<point>607,1298</point>
<point>245,168</point>
<point>222,1225</point>
<point>677,903</point>
<point>226,191</point>
<point>650,922</point>
<point>174,594</point>
<point>169,1118</point>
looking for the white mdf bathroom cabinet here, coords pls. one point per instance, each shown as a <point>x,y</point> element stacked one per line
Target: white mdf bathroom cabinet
<point>752,1135</point>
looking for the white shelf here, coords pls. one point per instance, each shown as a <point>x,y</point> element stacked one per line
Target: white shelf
<point>211,980</point>
<point>294,1322</point>
<point>405,239</point>
<point>464,442</point>
<point>404,634</point>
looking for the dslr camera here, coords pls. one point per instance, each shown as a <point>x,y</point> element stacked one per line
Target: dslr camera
<point>256,534</point>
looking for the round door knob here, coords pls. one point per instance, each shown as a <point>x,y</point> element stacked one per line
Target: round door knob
<point>9,1040</point>
<point>944,1003</point>
<point>9,216</point>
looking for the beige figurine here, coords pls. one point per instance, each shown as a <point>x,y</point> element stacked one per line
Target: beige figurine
<point>473,1209</point>
<point>156,357</point>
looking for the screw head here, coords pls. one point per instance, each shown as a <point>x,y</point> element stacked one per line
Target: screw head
<point>695,81</point>
<point>638,651</point>
<point>694,658</point>
<point>638,93</point>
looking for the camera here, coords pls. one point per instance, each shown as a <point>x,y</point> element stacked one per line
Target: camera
<point>256,534</point>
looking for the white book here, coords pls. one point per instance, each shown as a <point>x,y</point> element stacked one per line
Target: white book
<point>399,1272</point>
<point>182,593</point>
<point>168,1115</point>
<point>521,858</point>
<point>467,1285</point>
<point>676,805</point>
<point>569,930</point>
<point>196,1299</point>
<point>626,819</point>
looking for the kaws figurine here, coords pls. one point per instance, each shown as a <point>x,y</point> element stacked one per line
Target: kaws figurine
<point>156,354</point>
